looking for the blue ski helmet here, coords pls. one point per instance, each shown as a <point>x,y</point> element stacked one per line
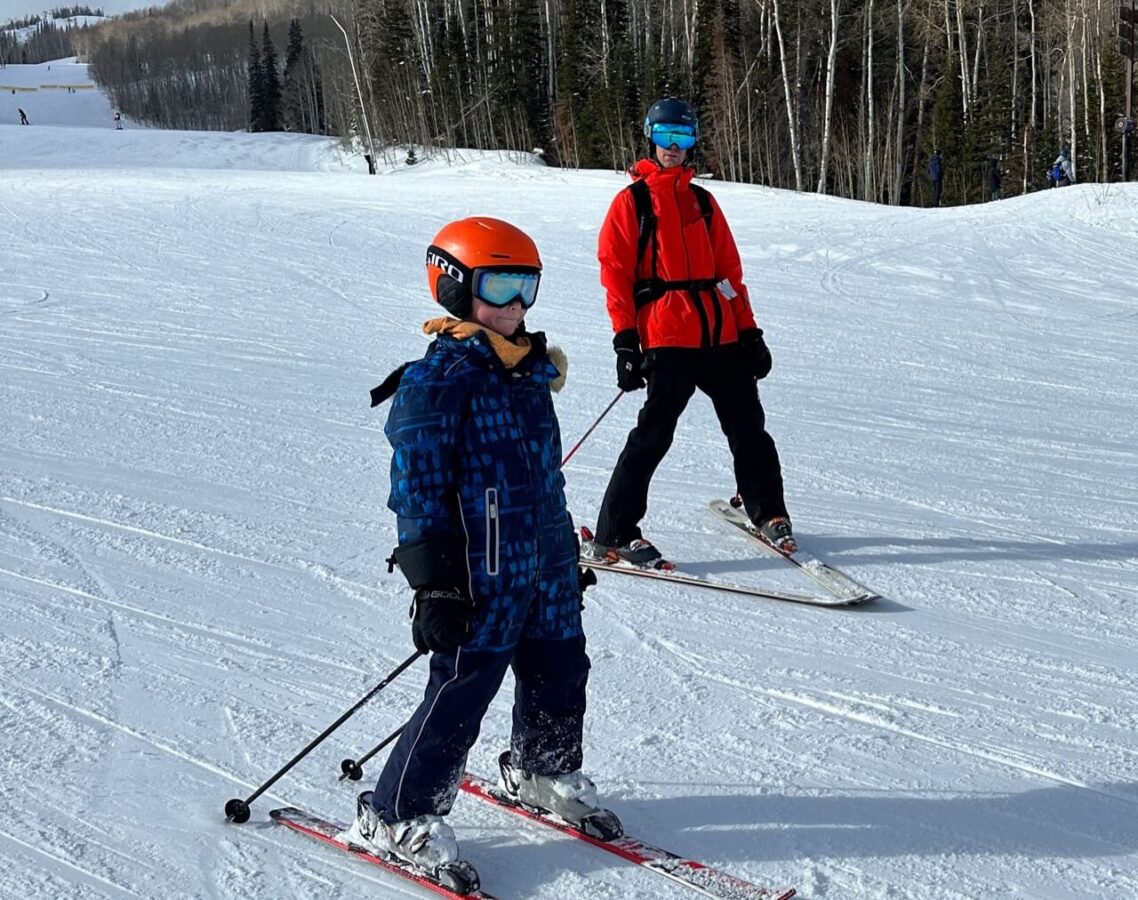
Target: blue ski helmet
<point>670,111</point>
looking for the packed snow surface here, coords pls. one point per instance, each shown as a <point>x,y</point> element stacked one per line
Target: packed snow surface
<point>193,530</point>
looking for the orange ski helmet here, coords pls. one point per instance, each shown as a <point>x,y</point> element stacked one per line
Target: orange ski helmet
<point>462,250</point>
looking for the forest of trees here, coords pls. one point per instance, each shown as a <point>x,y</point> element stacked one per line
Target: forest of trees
<point>51,37</point>
<point>848,97</point>
<point>843,96</point>
<point>288,101</point>
<point>193,65</point>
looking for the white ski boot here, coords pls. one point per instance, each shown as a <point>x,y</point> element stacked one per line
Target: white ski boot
<point>425,842</point>
<point>571,797</point>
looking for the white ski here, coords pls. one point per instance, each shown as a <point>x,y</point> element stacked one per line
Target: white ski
<point>838,583</point>
<point>675,575</point>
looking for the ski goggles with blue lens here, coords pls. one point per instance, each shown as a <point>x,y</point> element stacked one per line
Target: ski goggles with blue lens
<point>682,136</point>
<point>503,288</point>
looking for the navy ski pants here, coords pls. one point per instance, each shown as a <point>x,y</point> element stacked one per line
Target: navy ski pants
<point>673,374</point>
<point>423,772</point>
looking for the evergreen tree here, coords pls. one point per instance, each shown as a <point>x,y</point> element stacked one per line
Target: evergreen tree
<point>256,84</point>
<point>292,100</point>
<point>272,84</point>
<point>945,132</point>
<point>572,133</point>
<point>529,71</point>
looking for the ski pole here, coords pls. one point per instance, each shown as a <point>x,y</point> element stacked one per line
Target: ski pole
<point>353,768</point>
<point>237,810</point>
<point>585,436</point>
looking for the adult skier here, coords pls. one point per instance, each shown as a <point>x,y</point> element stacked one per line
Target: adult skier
<point>683,320</point>
<point>488,548</point>
<point>936,176</point>
<point>992,178</point>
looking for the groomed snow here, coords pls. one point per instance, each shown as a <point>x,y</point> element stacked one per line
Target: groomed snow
<point>193,530</point>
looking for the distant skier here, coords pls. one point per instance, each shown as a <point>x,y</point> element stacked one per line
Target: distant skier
<point>992,177</point>
<point>23,117</point>
<point>118,121</point>
<point>487,545</point>
<point>936,176</point>
<point>1062,170</point>
<point>682,320</point>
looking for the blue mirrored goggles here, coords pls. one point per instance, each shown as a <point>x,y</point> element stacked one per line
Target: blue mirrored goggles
<point>503,288</point>
<point>681,136</point>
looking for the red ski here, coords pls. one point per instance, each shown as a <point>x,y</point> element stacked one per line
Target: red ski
<point>329,833</point>
<point>701,878</point>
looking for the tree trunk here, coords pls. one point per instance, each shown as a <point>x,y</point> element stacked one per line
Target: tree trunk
<point>829,95</point>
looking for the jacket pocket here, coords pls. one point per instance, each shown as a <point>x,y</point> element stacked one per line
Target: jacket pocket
<point>492,529</point>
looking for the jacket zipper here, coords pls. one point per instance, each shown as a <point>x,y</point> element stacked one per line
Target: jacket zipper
<point>492,527</point>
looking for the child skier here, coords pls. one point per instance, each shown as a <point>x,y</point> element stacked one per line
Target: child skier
<point>488,547</point>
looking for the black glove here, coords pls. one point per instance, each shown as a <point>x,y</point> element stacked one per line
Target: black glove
<point>586,577</point>
<point>756,355</point>
<point>440,619</point>
<point>629,359</point>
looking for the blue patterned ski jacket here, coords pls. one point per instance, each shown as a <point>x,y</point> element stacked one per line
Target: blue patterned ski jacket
<point>477,488</point>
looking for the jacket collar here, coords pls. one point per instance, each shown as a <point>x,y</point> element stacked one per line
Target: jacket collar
<point>656,175</point>
<point>509,352</point>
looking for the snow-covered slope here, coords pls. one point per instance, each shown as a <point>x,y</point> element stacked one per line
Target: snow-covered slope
<point>193,532</point>
<point>42,91</point>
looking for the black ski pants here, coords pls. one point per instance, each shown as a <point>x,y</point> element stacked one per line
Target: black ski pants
<point>673,374</point>
<point>422,773</point>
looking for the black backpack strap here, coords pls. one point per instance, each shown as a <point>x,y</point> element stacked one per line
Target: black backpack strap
<point>645,221</point>
<point>705,207</point>
<point>390,385</point>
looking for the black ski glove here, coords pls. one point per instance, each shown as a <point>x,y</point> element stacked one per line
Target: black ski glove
<point>629,360</point>
<point>440,619</point>
<point>757,355</point>
<point>586,577</point>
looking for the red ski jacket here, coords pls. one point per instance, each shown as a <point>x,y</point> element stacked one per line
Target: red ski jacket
<point>704,302</point>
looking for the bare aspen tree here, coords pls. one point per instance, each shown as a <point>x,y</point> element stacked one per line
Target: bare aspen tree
<point>1103,168</point>
<point>791,116</point>
<point>870,189</point>
<point>980,33</point>
<point>900,108</point>
<point>965,81</point>
<point>828,100</point>
<point>550,35</point>
<point>1085,62</point>
<point>1014,105</point>
<point>1073,140</point>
